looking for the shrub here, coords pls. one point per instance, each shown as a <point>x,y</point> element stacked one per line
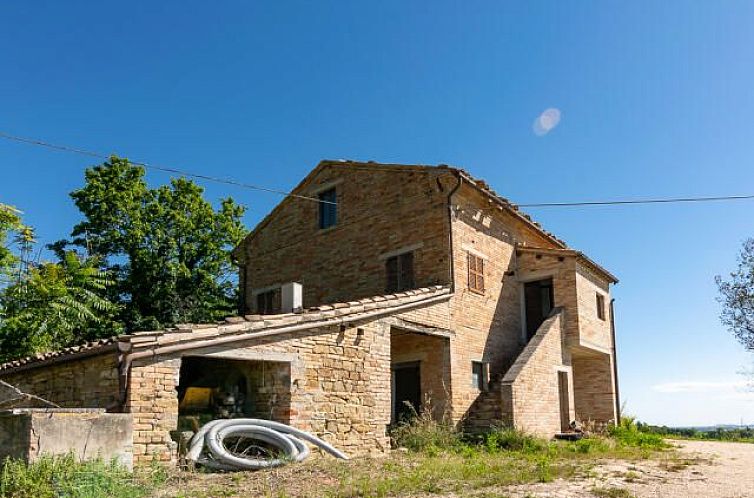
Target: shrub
<point>65,476</point>
<point>510,439</point>
<point>627,433</point>
<point>422,432</point>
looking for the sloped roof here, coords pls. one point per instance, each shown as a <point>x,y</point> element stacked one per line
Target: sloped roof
<point>480,185</point>
<point>243,327</point>
<point>78,351</point>
<point>570,252</point>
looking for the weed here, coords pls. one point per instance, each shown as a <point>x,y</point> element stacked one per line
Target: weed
<point>513,440</point>
<point>611,492</point>
<point>52,477</point>
<point>421,432</point>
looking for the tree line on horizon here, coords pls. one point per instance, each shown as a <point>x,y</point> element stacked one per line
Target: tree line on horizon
<point>140,259</point>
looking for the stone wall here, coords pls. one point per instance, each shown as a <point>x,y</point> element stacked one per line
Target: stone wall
<point>594,332</point>
<point>90,382</point>
<point>488,327</point>
<point>380,211</point>
<point>433,353</point>
<point>594,388</point>
<point>530,387</point>
<point>339,388</point>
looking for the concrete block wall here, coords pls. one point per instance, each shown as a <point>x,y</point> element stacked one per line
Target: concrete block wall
<point>28,434</point>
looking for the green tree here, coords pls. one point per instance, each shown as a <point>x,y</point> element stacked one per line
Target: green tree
<point>168,248</point>
<point>10,223</point>
<point>54,305</point>
<point>737,297</point>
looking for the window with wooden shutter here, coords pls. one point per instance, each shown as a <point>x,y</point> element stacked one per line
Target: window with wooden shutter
<point>400,272</point>
<point>476,273</point>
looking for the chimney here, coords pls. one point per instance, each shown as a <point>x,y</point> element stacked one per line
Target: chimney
<point>292,297</point>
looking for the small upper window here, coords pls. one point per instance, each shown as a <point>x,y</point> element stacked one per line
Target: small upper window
<point>476,273</point>
<point>600,306</point>
<point>268,303</point>
<point>328,208</point>
<point>479,375</point>
<point>400,272</point>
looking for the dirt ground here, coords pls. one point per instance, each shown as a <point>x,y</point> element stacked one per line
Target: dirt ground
<point>698,469</point>
<point>713,470</point>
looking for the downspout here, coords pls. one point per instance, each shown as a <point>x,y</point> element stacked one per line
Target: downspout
<point>451,266</point>
<point>615,360</point>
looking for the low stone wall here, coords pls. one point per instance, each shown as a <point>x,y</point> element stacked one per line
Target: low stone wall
<point>27,434</point>
<point>90,382</point>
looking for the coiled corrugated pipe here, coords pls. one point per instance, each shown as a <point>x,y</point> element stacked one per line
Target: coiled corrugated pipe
<point>289,440</point>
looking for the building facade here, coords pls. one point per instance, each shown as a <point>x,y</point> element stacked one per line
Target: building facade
<point>372,292</point>
<point>380,228</point>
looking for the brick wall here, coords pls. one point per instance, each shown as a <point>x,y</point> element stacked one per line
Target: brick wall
<point>378,212</point>
<point>90,382</point>
<point>593,331</point>
<point>339,388</point>
<point>530,387</point>
<point>433,353</point>
<point>488,326</point>
<point>594,388</point>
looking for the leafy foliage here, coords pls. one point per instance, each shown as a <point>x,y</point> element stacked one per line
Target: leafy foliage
<point>168,249</point>
<point>10,222</point>
<point>65,476</point>
<point>737,297</point>
<point>56,305</point>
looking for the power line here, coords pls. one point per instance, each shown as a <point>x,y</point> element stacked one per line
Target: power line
<point>669,200</point>
<point>98,155</point>
<point>228,181</point>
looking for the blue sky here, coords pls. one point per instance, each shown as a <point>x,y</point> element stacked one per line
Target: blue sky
<point>655,99</point>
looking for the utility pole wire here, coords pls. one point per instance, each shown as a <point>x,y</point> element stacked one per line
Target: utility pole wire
<point>227,181</point>
<point>639,201</point>
<point>98,155</point>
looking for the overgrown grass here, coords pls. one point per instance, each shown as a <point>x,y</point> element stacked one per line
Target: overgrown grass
<point>65,476</point>
<point>442,460</point>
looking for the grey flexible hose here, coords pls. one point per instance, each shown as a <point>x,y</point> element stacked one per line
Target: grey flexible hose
<point>289,440</point>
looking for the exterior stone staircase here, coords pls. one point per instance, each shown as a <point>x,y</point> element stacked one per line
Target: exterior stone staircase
<point>487,410</point>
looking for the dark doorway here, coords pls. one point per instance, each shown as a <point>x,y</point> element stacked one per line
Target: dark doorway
<point>565,406</point>
<point>406,390</point>
<point>538,301</point>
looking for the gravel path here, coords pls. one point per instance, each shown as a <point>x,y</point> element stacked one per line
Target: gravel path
<point>728,473</point>
<point>701,469</point>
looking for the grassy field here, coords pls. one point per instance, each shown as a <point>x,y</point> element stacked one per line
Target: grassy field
<point>433,459</point>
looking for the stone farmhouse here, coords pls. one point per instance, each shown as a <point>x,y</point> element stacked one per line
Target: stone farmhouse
<point>371,291</point>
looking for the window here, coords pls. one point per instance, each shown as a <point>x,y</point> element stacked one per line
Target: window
<point>328,209</point>
<point>600,306</point>
<point>400,272</point>
<point>479,375</point>
<point>268,303</point>
<point>476,273</point>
